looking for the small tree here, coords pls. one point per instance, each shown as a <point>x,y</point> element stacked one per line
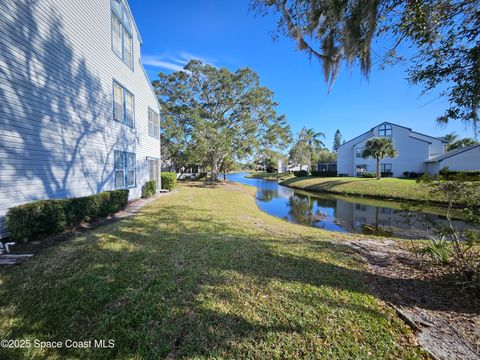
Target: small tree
<point>337,140</point>
<point>462,240</point>
<point>379,148</point>
<point>307,147</point>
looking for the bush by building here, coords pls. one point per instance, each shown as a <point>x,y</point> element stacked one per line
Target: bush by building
<point>47,217</point>
<point>169,180</point>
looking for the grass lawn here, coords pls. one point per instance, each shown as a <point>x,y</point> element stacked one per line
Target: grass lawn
<point>269,176</point>
<point>389,188</point>
<point>201,273</point>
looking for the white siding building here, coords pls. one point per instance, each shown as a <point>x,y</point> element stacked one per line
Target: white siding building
<point>414,150</point>
<point>77,112</point>
<point>459,159</point>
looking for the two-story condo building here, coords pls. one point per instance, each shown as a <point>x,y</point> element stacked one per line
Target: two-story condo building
<point>414,151</point>
<point>77,112</point>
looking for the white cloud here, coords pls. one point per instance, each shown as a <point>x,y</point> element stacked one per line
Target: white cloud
<point>174,62</point>
<point>156,61</point>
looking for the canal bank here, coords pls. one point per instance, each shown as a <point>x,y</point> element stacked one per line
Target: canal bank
<point>343,213</point>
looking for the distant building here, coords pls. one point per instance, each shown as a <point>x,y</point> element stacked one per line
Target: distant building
<point>330,166</point>
<point>77,112</point>
<point>415,152</point>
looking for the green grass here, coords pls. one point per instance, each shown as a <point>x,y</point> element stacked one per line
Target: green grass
<point>387,188</point>
<point>269,176</point>
<point>201,273</point>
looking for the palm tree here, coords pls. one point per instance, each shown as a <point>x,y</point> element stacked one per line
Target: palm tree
<point>451,137</point>
<point>379,148</point>
<point>312,141</point>
<point>462,143</point>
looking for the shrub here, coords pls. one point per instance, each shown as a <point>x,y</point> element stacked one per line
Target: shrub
<point>118,200</point>
<point>40,217</point>
<point>47,217</point>
<point>300,173</point>
<point>406,174</point>
<point>465,175</point>
<point>77,210</point>
<point>324,173</point>
<point>387,174</point>
<point>369,175</point>
<point>149,189</point>
<point>169,180</point>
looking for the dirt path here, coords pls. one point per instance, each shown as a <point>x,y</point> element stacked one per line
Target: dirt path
<point>445,320</point>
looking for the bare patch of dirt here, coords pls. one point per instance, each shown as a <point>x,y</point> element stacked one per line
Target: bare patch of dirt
<point>444,317</point>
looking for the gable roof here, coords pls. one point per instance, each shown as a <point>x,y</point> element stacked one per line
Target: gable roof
<point>404,127</point>
<point>452,153</point>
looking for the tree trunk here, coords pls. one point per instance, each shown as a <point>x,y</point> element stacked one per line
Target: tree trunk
<point>379,175</point>
<point>224,175</point>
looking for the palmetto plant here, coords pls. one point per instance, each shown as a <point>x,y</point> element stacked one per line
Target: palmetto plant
<point>379,148</point>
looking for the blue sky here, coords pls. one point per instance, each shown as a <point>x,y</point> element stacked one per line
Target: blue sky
<point>225,33</point>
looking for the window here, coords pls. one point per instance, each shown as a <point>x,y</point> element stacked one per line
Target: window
<point>122,41</point>
<point>127,50</point>
<point>359,152</point>
<point>153,124</point>
<point>384,168</point>
<point>123,105</point>
<point>360,207</point>
<point>361,168</point>
<point>359,222</point>
<point>119,170</point>
<point>130,169</point>
<point>128,109</point>
<point>124,169</point>
<point>385,130</point>
<point>117,36</point>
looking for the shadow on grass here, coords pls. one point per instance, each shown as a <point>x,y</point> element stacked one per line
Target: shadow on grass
<point>178,282</point>
<point>319,187</point>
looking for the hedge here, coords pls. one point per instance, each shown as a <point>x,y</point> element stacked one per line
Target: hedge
<point>47,217</point>
<point>169,180</point>
<point>472,175</point>
<point>412,174</point>
<point>369,175</point>
<point>324,173</point>
<point>300,173</point>
<point>149,189</point>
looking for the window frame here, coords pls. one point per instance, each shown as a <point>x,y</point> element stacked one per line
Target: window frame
<point>359,152</point>
<point>125,169</point>
<point>157,134</point>
<point>363,167</point>
<point>124,29</point>
<point>124,105</point>
<point>384,129</point>
<point>383,167</point>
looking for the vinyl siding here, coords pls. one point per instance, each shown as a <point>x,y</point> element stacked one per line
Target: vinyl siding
<point>57,132</point>
<point>413,149</point>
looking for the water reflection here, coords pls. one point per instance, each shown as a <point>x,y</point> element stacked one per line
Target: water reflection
<point>340,213</point>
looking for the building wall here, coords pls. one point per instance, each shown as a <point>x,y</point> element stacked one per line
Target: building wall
<point>57,132</point>
<point>467,160</point>
<point>413,149</point>
<point>346,155</point>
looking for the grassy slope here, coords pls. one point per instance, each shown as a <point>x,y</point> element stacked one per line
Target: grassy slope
<point>269,176</point>
<point>391,188</point>
<point>200,273</point>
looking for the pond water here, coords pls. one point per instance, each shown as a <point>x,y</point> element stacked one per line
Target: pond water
<point>342,213</point>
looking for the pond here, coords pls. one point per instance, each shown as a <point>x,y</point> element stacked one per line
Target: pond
<point>344,213</point>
